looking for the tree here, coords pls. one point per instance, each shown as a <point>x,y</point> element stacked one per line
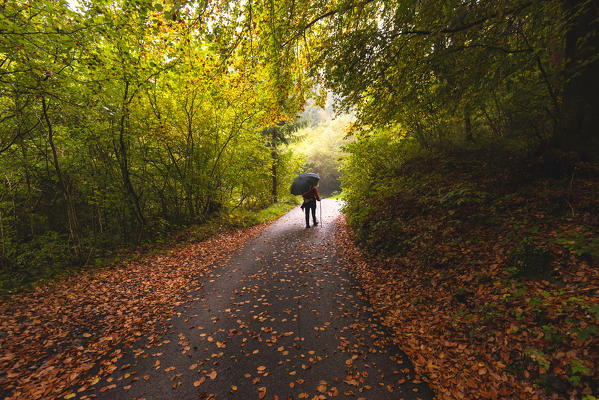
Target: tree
<point>497,65</point>
<point>123,121</point>
<point>581,83</point>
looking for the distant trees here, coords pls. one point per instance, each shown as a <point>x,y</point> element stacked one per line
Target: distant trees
<point>278,136</point>
<point>321,146</point>
<point>454,70</point>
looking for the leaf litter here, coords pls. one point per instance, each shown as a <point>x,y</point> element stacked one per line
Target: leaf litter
<point>289,325</point>
<point>52,336</point>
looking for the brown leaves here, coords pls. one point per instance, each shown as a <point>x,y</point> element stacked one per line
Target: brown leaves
<point>322,387</point>
<point>465,346</point>
<point>199,381</point>
<point>110,306</point>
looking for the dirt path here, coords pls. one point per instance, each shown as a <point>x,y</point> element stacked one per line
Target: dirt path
<point>282,319</point>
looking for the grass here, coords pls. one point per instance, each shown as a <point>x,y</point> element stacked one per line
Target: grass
<point>336,196</point>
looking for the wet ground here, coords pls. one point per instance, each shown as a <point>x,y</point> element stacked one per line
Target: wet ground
<point>282,320</point>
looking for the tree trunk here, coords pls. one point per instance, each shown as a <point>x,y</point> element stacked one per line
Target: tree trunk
<point>468,126</point>
<point>275,195</point>
<point>124,162</point>
<point>71,213</point>
<point>273,153</point>
<point>579,130</point>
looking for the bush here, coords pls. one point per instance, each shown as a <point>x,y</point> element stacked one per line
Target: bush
<point>580,244</point>
<point>531,261</point>
<point>37,260</point>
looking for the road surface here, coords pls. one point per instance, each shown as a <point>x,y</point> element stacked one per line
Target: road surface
<point>281,320</point>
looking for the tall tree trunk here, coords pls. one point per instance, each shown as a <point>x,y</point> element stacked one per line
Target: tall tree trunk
<point>2,236</point>
<point>580,129</point>
<point>275,195</point>
<point>275,161</point>
<point>124,162</point>
<point>71,213</point>
<point>468,125</point>
<point>189,160</point>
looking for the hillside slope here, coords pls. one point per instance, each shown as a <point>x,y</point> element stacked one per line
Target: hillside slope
<point>486,269</point>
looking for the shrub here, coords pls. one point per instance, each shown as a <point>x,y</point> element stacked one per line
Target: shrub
<point>531,261</point>
<point>580,244</point>
<point>463,295</point>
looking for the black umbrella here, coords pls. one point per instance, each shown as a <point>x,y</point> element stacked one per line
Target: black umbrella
<point>304,183</point>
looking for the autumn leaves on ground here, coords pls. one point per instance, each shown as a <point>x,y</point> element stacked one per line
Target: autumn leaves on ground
<point>462,137</point>
<point>491,300</point>
<point>485,267</point>
<point>265,312</point>
<point>273,311</point>
<point>52,336</point>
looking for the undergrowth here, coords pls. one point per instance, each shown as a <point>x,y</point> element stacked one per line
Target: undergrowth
<point>50,258</point>
<point>510,237</point>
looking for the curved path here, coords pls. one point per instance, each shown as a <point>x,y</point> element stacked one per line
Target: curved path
<point>282,320</point>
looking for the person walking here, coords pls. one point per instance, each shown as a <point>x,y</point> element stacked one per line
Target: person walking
<point>310,198</point>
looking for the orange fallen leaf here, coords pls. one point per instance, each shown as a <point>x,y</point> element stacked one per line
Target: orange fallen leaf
<point>199,381</point>
<point>261,392</point>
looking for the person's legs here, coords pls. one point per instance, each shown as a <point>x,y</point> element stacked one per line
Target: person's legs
<point>307,210</point>
<point>314,214</point>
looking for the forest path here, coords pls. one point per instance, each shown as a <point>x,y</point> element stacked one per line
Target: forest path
<point>282,319</point>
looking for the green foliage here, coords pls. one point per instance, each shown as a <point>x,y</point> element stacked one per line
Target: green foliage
<point>446,70</point>
<point>368,173</point>
<point>551,334</point>
<point>578,370</point>
<point>320,146</point>
<point>538,357</point>
<point>588,332</point>
<point>463,195</point>
<point>580,243</point>
<point>40,259</point>
<point>245,218</point>
<point>124,122</point>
